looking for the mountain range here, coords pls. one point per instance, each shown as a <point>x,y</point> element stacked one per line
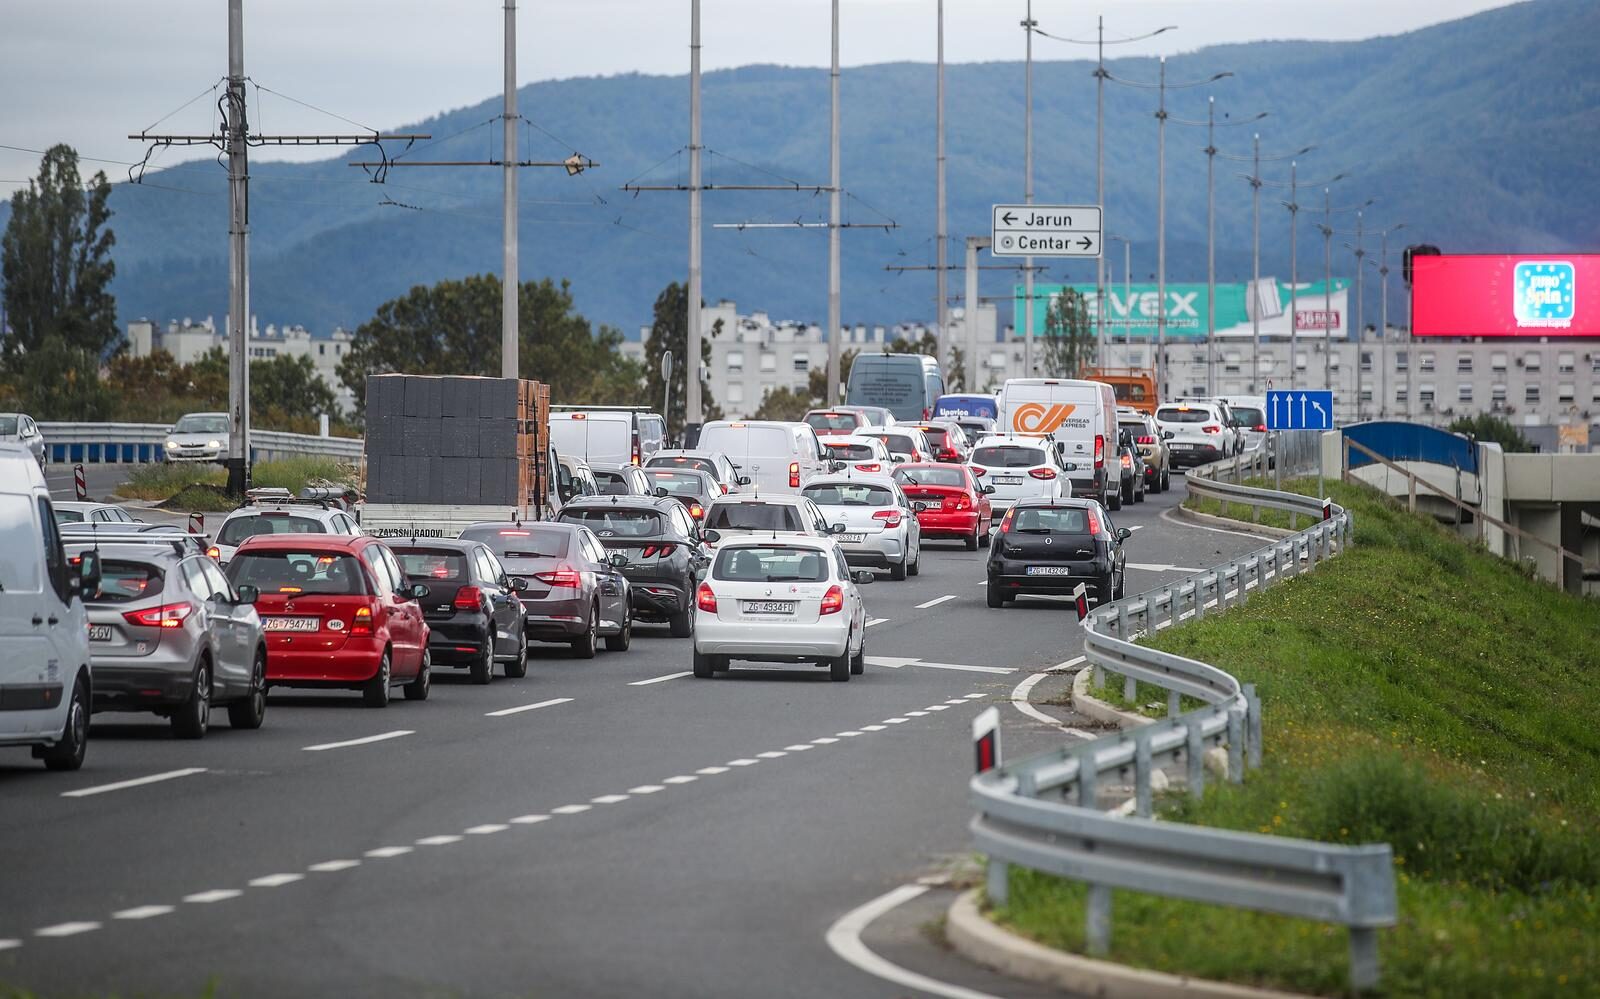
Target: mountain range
<point>1479,134</point>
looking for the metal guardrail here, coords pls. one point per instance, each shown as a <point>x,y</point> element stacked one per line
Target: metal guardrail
<point>1042,813</point>
<point>142,443</point>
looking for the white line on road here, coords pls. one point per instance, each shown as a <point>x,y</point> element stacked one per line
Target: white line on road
<point>276,880</point>
<point>142,912</point>
<point>873,728</point>
<point>1136,527</point>
<point>385,852</point>
<point>66,929</point>
<point>530,820</point>
<point>798,747</point>
<point>916,714</point>
<point>487,829</point>
<point>331,866</point>
<point>847,735</point>
<point>1167,516</point>
<point>681,779</point>
<point>526,707</point>
<point>895,721</point>
<point>645,789</point>
<point>609,799</point>
<point>875,620</point>
<point>743,761</point>
<point>975,695</point>
<point>445,840</point>
<point>891,662</point>
<point>1001,670</point>
<point>1158,567</point>
<point>936,601</point>
<point>712,771</point>
<point>844,939</point>
<point>214,895</point>
<point>1020,700</point>
<point>658,679</point>
<point>84,792</point>
<point>570,809</point>
<point>10,944</point>
<point>383,737</point>
<point>772,754</point>
<point>826,740</point>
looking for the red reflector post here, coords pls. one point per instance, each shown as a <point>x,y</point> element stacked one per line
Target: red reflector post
<point>1080,596</point>
<point>986,739</point>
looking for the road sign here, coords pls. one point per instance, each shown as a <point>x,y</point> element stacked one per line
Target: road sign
<point>1046,231</point>
<point>1299,409</point>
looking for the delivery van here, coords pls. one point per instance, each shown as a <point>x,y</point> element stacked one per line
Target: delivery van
<point>777,457</point>
<point>1081,418</point>
<point>904,384</point>
<point>607,435</point>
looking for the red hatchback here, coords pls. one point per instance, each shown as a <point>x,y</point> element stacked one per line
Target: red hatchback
<point>337,612</point>
<point>955,505</point>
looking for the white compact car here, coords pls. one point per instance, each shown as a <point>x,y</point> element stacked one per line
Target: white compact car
<point>1019,467</point>
<point>1195,432</point>
<point>274,511</point>
<point>789,600</point>
<point>775,514</point>
<point>199,437</point>
<point>879,522</point>
<point>864,454</point>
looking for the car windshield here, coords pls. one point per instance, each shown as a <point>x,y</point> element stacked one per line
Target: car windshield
<point>8,425</point>
<point>1008,456</point>
<point>615,522</point>
<point>1175,414</point>
<point>1051,520</point>
<point>678,482</point>
<point>753,517</point>
<point>848,494</point>
<point>236,530</point>
<point>1250,416</point>
<point>122,582</point>
<point>199,423</point>
<point>930,477</point>
<point>432,563</point>
<point>298,572</point>
<point>834,421</point>
<point>68,516</point>
<point>773,564</point>
<point>521,542</point>
<point>850,452</point>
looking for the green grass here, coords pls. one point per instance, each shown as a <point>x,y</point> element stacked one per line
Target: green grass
<point>156,482</point>
<point>1416,691</point>
<point>1240,511</point>
<point>186,487</point>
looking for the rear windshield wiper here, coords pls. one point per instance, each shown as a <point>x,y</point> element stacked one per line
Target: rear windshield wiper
<point>1034,530</point>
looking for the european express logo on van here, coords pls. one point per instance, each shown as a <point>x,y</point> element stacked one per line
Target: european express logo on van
<point>1037,418</point>
<point>1546,294</point>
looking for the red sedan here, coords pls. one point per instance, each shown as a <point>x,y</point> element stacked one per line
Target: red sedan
<point>957,506</point>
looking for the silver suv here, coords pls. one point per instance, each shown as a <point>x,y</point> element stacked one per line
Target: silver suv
<point>274,511</point>
<point>169,634</point>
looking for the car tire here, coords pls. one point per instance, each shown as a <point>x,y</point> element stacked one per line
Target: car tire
<point>250,711</point>
<point>681,624</point>
<point>915,568</point>
<point>624,638</point>
<point>996,597</point>
<point>988,536</point>
<point>1166,479</point>
<point>191,718</point>
<point>703,669</point>
<point>972,542</point>
<point>898,572</point>
<point>583,646</point>
<point>517,668</point>
<point>482,671</point>
<point>375,692</point>
<point>69,752</point>
<point>839,666</point>
<point>1114,501</point>
<point>418,689</point>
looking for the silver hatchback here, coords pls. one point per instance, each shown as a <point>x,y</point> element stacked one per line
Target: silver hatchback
<point>170,635</point>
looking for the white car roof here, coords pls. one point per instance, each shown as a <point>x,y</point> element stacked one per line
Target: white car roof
<point>841,479</point>
<point>1020,440</point>
<point>731,499</point>
<point>765,540</point>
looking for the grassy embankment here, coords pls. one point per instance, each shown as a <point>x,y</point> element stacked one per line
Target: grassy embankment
<point>188,487</point>
<point>1416,691</point>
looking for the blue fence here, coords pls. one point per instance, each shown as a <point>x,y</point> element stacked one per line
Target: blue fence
<point>1412,442</point>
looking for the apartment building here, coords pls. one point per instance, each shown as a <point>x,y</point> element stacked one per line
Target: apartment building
<point>187,341</point>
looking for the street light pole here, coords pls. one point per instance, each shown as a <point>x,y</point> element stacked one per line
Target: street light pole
<point>1361,332</point>
<point>834,333</point>
<point>1255,264</point>
<point>1027,189</point>
<point>511,283</point>
<point>693,409</point>
<point>1161,237</point>
<point>942,235</point>
<point>1383,319</point>
<point>1100,184</point>
<point>1127,260</point>
<point>1211,246</point>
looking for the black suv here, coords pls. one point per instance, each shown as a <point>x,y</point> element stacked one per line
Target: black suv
<point>1052,545</point>
<point>473,608</point>
<point>666,556</point>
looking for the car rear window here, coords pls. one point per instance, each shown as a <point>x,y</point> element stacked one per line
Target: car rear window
<point>835,421</point>
<point>615,522</point>
<point>68,516</point>
<point>774,564</point>
<point>122,582</point>
<point>848,494</point>
<point>753,517</point>
<point>1137,429</point>
<point>1008,456</point>
<point>1051,520</point>
<point>611,483</point>
<point>8,425</point>
<point>849,452</point>
<point>935,435</point>
<point>1250,415</point>
<point>1176,415</point>
<point>432,563</point>
<point>898,443</point>
<point>930,477</point>
<point>235,531</point>
<point>678,461</point>
<point>678,482</point>
<point>298,572</point>
<point>521,542</point>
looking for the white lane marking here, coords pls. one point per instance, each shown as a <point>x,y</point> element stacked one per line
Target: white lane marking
<point>937,707</point>
<point>570,809</point>
<point>1136,527</point>
<point>66,929</point>
<point>1158,567</point>
<point>874,621</point>
<point>609,799</point>
<point>142,912</point>
<point>974,696</point>
<point>526,707</point>
<point>798,747</point>
<point>367,741</point>
<point>1167,516</point>
<point>530,820</point>
<point>772,754</point>
<point>916,714</point>
<point>1020,700</point>
<point>957,701</point>
<point>645,789</point>
<point>873,728</point>
<point>10,944</point>
<point>275,880</point>
<point>385,852</point>
<point>844,939</point>
<point>1000,670</point>
<point>214,895</point>
<point>330,866</point>
<point>659,679</point>
<point>743,761</point>
<point>826,740</point>
<point>711,771</point>
<point>84,792</point>
<point>890,662</point>
<point>936,601</point>
<point>487,829</point>
<point>847,735</point>
<point>895,721</point>
<point>681,779</point>
<point>445,840</point>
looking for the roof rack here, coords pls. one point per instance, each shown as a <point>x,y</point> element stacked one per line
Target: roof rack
<point>279,496</point>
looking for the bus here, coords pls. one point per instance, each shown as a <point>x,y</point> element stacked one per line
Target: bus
<point>904,384</point>
<point>956,406</point>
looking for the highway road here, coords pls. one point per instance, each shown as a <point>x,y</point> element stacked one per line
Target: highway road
<point>601,828</point>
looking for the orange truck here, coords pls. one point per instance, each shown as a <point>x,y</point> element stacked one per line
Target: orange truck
<point>1134,387</point>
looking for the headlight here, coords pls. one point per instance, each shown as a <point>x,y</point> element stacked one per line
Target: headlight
<point>172,444</point>
<point>214,444</point>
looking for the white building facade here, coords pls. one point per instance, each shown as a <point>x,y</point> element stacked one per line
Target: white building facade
<point>187,341</point>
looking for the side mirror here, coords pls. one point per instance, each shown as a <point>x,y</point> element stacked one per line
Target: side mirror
<point>661,492</point>
<point>617,559</point>
<point>919,506</point>
<point>88,574</point>
<point>417,591</point>
<point>249,594</point>
<point>836,528</point>
<point>518,584</point>
<point>1123,534</point>
<point>836,465</point>
<point>988,490</point>
<point>711,537</point>
<point>1167,435</point>
<point>863,576</point>
<point>744,480</point>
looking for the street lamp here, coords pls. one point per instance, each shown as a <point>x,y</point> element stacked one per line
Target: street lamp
<point>1294,265</point>
<point>1127,290</point>
<point>1383,271</point>
<point>1254,177</point>
<point>1328,232</point>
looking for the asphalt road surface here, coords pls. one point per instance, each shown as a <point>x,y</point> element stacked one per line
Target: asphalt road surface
<point>604,828</point>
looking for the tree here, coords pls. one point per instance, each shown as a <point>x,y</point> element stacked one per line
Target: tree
<point>1068,343</point>
<point>1488,427</point>
<point>817,381</point>
<point>669,330</point>
<point>787,404</point>
<point>56,265</point>
<point>287,393</point>
<point>927,344</point>
<point>56,381</point>
<point>956,380</point>
<point>453,328</point>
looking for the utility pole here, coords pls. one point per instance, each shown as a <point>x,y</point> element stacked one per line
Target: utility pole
<point>1327,290</point>
<point>974,244</point>
<point>1100,184</point>
<point>942,235</point>
<point>1028,25</point>
<point>1211,246</point>
<point>1383,335</point>
<point>1161,238</point>
<point>1255,265</point>
<point>1361,333</point>
<point>1293,204</point>
<point>694,408</point>
<point>510,281</point>
<point>235,140</point>
<point>834,333</point>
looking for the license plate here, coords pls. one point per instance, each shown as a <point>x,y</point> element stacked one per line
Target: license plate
<point>851,539</point>
<point>1049,570</point>
<point>1182,447</point>
<point>99,632</point>
<point>769,606</point>
<point>1008,480</point>
<point>291,624</point>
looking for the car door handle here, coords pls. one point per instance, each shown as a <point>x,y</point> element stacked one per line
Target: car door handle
<point>54,620</point>
<point>37,620</point>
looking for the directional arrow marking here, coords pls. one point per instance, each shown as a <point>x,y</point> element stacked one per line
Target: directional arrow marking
<point>1318,407</point>
<point>1008,218</point>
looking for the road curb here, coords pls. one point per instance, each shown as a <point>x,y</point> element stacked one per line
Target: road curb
<point>1211,520</point>
<point>1089,706</point>
<point>983,942</point>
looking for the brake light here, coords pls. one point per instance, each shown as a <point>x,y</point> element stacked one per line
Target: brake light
<point>1260,428</point>
<point>1127,461</point>
<point>890,518</point>
<point>979,470</point>
<point>724,486</point>
<point>165,616</point>
<point>794,475</point>
<point>1147,439</point>
<point>1212,428</point>
<point>214,553</point>
<point>513,534</point>
<point>1099,451</point>
<point>469,598</point>
<point>963,502</point>
<point>1042,473</point>
<point>1094,523</point>
<point>441,572</point>
<point>874,467</point>
<point>833,600</point>
<point>1005,522</point>
<point>361,623</point>
<point>636,449</point>
<point>562,575</point>
<point>696,511</point>
<point>705,599</point>
<point>948,454</point>
<point>662,550</point>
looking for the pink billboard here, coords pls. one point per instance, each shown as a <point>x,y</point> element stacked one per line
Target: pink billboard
<point>1556,295</point>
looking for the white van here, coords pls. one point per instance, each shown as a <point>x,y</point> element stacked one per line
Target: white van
<point>607,435</point>
<point>777,457</point>
<point>1081,417</point>
<point>44,636</point>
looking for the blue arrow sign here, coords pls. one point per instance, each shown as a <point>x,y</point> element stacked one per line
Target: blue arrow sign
<point>1299,409</point>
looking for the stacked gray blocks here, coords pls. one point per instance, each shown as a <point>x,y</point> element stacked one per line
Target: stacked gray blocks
<point>442,439</point>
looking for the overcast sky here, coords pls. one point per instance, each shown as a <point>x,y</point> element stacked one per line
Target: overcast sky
<point>89,72</point>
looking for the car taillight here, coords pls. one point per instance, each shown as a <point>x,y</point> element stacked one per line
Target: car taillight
<point>1212,428</point>
<point>1099,451</point>
<point>794,475</point>
<point>165,616</point>
<point>1260,428</point>
<point>890,518</point>
<point>214,553</point>
<point>874,467</point>
<point>705,599</point>
<point>948,454</point>
<point>1042,473</point>
<point>361,623</point>
<point>1147,439</point>
<point>1005,522</point>
<point>833,600</point>
<point>963,502</point>
<point>636,449</point>
<point>980,471</point>
<point>1094,523</point>
<point>662,550</point>
<point>562,575</point>
<point>724,486</point>
<point>1127,461</point>
<point>696,511</point>
<point>469,598</point>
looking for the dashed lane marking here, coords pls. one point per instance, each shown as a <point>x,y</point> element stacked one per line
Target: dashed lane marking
<point>142,912</point>
<point>873,621</point>
<point>659,679</point>
<point>646,789</point>
<point>526,707</point>
<point>84,792</point>
<point>214,895</point>
<point>681,779</point>
<point>487,829</point>
<point>276,880</point>
<point>385,852</point>
<point>439,840</point>
<point>936,601</point>
<point>609,799</point>
<point>330,866</point>
<point>570,809</point>
<point>366,741</point>
<point>66,929</point>
<point>530,820</point>
<point>743,761</point>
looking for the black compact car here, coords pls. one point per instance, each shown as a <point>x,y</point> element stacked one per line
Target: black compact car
<point>1131,464</point>
<point>665,554</point>
<point>1052,545</point>
<point>473,609</point>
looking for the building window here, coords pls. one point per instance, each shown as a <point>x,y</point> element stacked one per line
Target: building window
<point>736,360</point>
<point>802,362</point>
<point>1532,362</point>
<point>1401,396</point>
<point>1566,363</point>
<point>997,359</point>
<point>1425,396</point>
<point>1300,361</point>
<point>1135,358</point>
<point>1464,392</point>
<point>1594,394</point>
<point>1566,394</point>
<point>1401,362</point>
<point>1366,360</point>
<point>735,393</point>
<point>1531,394</point>
<point>322,350</point>
<point>1230,363</point>
<point>1333,361</point>
<point>1426,363</point>
<point>769,362</point>
<point>1497,393</point>
<point>1366,395</point>
<point>1464,363</point>
<point>1497,361</point>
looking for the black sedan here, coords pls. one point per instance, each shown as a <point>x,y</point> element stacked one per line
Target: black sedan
<point>662,545</point>
<point>1052,545</point>
<point>473,608</point>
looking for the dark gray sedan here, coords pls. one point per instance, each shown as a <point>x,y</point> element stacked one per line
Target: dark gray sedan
<point>473,609</point>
